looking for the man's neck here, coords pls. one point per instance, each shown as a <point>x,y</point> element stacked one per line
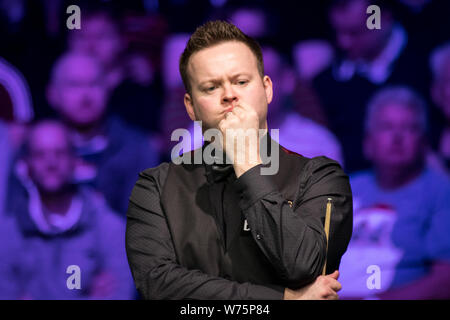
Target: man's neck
<point>390,178</point>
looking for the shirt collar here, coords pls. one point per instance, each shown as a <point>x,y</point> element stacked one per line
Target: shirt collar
<point>221,170</point>
<point>378,70</point>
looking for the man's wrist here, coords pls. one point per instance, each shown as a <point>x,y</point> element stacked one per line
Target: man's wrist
<point>241,168</point>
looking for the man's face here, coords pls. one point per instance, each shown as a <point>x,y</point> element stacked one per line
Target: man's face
<point>221,77</point>
<point>50,159</point>
<point>80,94</point>
<point>441,90</point>
<point>99,37</point>
<point>397,139</point>
<point>352,35</point>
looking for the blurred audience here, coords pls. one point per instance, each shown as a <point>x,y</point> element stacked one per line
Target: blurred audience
<point>112,153</point>
<point>311,57</point>
<point>129,75</point>
<point>58,224</point>
<point>174,114</point>
<point>426,21</point>
<point>252,20</point>
<point>5,160</point>
<point>296,133</point>
<point>365,60</point>
<point>400,247</point>
<point>440,91</point>
<point>15,98</point>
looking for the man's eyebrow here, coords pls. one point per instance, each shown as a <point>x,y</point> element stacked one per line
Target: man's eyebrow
<point>219,80</point>
<point>211,80</point>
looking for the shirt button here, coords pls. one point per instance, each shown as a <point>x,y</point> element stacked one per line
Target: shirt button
<point>258,236</point>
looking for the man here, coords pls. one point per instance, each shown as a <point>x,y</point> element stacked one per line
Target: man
<point>112,153</point>
<point>366,59</point>
<point>400,247</point>
<point>218,231</point>
<point>129,74</point>
<point>59,228</point>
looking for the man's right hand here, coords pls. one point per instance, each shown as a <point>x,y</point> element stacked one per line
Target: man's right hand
<point>323,288</point>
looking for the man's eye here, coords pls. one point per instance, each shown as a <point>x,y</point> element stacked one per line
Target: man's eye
<point>242,82</point>
<point>210,88</point>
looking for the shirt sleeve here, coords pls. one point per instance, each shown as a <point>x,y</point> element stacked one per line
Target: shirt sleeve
<point>293,238</point>
<point>437,237</point>
<point>152,259</point>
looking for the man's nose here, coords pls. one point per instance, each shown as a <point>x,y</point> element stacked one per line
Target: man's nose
<point>229,96</point>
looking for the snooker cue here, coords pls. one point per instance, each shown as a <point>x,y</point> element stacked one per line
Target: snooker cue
<point>327,231</point>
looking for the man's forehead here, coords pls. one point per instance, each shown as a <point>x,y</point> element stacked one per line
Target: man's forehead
<point>223,58</point>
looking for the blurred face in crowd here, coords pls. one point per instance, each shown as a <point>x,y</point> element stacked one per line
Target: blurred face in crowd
<point>49,158</point>
<point>273,67</point>
<point>352,35</point>
<point>251,21</point>
<point>396,139</point>
<point>78,91</point>
<point>221,77</point>
<point>100,37</point>
<point>441,90</point>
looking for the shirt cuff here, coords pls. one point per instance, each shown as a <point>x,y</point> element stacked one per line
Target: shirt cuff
<point>252,186</point>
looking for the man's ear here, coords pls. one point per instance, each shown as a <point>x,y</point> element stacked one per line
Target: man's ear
<point>189,106</point>
<point>267,82</point>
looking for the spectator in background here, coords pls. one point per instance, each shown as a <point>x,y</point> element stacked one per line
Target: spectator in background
<point>58,224</point>
<point>296,132</point>
<point>5,159</point>
<point>310,57</point>
<point>401,208</point>
<point>440,91</point>
<point>173,112</point>
<point>129,75</point>
<point>252,20</point>
<point>112,153</point>
<point>365,60</point>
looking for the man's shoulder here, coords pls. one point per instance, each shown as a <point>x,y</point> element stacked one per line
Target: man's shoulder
<point>316,164</point>
<point>312,169</point>
<point>156,174</point>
